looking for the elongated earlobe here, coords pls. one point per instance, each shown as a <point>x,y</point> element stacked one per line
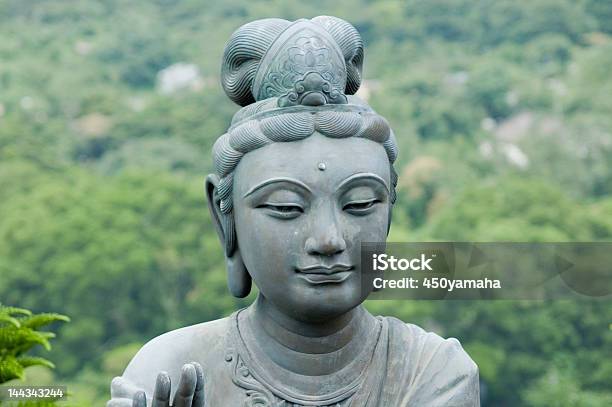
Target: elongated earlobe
<point>390,218</point>
<point>388,229</point>
<point>238,277</point>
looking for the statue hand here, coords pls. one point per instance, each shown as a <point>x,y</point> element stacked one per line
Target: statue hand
<point>189,393</point>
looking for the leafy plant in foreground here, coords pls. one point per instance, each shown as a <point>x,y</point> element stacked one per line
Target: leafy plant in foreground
<point>18,334</point>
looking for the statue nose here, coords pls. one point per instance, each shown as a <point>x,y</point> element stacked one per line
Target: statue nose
<point>326,245</point>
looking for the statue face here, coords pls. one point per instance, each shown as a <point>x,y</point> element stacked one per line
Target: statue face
<point>301,211</point>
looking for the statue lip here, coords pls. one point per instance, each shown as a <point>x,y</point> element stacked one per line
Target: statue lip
<point>325,275</point>
<point>325,270</point>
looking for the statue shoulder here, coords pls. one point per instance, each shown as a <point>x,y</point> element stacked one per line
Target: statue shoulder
<point>439,370</point>
<point>172,349</point>
<point>168,352</point>
<point>426,345</point>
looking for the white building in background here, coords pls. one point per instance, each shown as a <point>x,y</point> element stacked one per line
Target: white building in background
<point>177,77</point>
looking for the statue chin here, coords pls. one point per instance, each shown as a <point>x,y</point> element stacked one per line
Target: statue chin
<point>319,309</point>
<point>303,175</point>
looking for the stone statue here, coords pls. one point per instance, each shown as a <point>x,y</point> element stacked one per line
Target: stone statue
<point>303,175</point>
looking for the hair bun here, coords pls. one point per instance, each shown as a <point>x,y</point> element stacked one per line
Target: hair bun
<point>256,66</point>
<point>349,40</point>
<point>242,55</point>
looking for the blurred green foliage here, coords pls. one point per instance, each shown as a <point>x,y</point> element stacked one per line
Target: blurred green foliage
<point>501,109</point>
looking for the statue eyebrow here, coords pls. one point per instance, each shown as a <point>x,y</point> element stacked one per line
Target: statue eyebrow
<point>364,175</point>
<point>275,180</point>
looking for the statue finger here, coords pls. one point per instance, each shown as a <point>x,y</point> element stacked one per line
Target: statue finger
<point>198,396</point>
<point>140,399</point>
<point>161,394</point>
<point>186,387</point>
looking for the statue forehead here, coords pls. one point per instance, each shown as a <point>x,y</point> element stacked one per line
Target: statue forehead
<point>316,160</point>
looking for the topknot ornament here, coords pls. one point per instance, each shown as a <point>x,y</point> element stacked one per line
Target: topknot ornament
<point>302,63</point>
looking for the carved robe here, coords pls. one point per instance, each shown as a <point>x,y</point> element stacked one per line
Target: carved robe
<point>407,367</point>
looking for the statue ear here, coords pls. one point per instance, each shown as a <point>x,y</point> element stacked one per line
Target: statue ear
<point>214,205</point>
<point>390,217</point>
<point>238,277</point>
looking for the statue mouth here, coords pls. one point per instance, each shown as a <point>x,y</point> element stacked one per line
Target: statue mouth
<point>322,274</point>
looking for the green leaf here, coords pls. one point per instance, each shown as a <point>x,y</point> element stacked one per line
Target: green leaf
<point>18,341</point>
<point>7,318</point>
<point>10,369</point>
<point>27,361</point>
<point>6,310</point>
<point>40,320</point>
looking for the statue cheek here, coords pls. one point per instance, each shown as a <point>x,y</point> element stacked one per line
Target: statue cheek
<point>353,232</point>
<point>371,228</point>
<point>269,240</point>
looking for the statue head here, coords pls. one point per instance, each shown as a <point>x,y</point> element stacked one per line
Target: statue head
<point>305,172</point>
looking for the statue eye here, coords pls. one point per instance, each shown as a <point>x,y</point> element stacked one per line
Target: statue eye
<point>283,210</point>
<point>360,207</point>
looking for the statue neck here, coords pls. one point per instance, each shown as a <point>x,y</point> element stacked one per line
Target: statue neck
<point>306,347</point>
